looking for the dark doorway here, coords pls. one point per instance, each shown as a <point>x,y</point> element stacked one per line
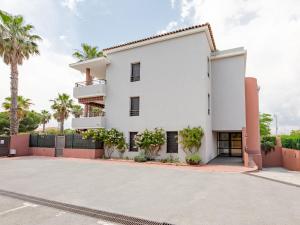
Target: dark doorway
<point>230,144</point>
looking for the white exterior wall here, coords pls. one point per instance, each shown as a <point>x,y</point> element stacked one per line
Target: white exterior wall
<point>173,89</point>
<point>228,93</point>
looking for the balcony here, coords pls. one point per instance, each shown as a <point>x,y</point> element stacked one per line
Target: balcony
<point>88,122</point>
<point>88,89</point>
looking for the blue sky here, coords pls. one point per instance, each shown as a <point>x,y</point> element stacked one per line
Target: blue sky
<point>104,23</point>
<point>268,29</point>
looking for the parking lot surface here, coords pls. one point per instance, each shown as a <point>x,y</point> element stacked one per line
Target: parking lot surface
<point>181,197</point>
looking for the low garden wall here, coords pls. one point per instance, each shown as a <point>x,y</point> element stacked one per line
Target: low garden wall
<point>83,153</point>
<point>272,158</point>
<point>44,145</point>
<point>291,159</point>
<point>282,156</point>
<point>42,151</point>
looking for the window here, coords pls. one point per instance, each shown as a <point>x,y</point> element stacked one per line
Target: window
<point>208,103</point>
<point>208,66</point>
<point>135,72</point>
<point>172,145</point>
<point>132,147</point>
<point>134,106</point>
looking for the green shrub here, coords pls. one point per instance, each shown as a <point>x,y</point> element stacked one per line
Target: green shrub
<point>170,159</point>
<point>112,139</point>
<point>140,158</point>
<point>268,143</point>
<point>150,141</point>
<point>290,141</point>
<point>193,159</point>
<point>190,139</point>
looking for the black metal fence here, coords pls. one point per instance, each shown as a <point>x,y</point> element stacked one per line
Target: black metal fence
<point>76,141</point>
<point>45,141</point>
<point>4,145</point>
<point>71,141</point>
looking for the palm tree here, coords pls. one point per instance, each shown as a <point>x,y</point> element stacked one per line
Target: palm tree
<point>16,44</point>
<point>77,111</point>
<point>45,118</point>
<point>22,109</point>
<point>87,52</point>
<point>62,106</point>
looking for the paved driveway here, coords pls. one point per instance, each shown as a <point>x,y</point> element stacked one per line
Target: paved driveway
<point>178,196</point>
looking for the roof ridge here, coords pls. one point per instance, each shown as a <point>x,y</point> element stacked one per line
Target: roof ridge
<point>165,34</point>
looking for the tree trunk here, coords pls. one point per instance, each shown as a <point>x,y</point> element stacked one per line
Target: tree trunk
<point>14,121</point>
<point>44,127</point>
<point>62,121</point>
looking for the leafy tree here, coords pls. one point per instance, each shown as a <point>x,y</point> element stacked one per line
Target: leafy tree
<point>23,106</point>
<point>77,111</point>
<point>30,122</point>
<point>16,44</point>
<point>150,141</point>
<point>4,123</point>
<point>87,52</point>
<point>45,118</point>
<point>265,121</point>
<point>62,106</point>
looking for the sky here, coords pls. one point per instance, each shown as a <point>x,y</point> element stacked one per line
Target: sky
<point>268,29</point>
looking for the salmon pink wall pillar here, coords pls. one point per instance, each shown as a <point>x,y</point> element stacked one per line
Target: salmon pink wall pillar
<point>20,142</point>
<point>252,120</point>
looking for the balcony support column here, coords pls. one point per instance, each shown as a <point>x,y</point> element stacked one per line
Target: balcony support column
<point>88,80</point>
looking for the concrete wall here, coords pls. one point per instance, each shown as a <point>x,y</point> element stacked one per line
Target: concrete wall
<point>88,122</point>
<point>228,93</point>
<point>89,91</point>
<point>173,89</point>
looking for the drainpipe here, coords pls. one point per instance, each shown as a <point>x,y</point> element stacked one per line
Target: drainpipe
<point>252,121</point>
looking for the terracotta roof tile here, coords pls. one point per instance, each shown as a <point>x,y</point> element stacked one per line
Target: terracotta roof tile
<point>165,34</point>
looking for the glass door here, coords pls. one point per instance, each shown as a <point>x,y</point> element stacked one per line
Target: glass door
<point>230,144</point>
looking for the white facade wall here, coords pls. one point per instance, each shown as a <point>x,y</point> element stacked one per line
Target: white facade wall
<point>228,93</point>
<point>173,89</point>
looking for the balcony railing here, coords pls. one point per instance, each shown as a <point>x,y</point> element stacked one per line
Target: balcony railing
<point>87,83</point>
<point>88,122</point>
<point>86,89</point>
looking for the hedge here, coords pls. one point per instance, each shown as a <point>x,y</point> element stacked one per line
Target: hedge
<point>292,142</point>
<point>268,143</point>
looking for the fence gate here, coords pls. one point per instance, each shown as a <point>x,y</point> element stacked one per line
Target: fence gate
<point>4,146</point>
<point>59,145</point>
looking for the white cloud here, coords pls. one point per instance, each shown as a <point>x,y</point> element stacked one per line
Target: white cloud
<point>173,3</point>
<point>270,31</point>
<point>71,5</point>
<point>171,26</point>
<point>62,37</point>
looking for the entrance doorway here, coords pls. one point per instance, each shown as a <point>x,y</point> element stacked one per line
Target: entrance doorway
<point>230,144</point>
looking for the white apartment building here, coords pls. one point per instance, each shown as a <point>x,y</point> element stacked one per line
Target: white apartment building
<point>170,81</point>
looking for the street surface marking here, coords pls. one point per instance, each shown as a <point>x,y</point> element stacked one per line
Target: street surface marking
<point>25,205</point>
